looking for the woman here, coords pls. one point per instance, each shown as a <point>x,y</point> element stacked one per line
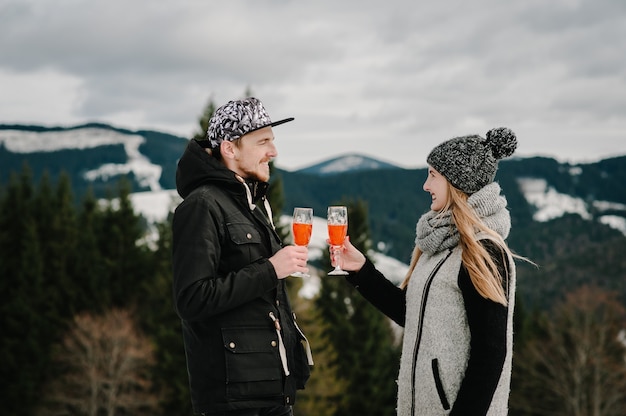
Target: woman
<point>456,302</point>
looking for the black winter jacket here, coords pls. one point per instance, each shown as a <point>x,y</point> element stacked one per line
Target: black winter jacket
<point>236,317</point>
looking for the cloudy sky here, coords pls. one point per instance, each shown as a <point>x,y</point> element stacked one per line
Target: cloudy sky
<point>387,79</point>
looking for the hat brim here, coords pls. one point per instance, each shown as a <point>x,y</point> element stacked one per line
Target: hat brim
<point>207,145</point>
<point>272,124</point>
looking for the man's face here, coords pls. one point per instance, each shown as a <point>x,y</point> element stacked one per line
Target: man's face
<point>253,153</point>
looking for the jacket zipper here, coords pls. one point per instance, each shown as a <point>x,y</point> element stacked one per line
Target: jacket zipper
<point>420,325</point>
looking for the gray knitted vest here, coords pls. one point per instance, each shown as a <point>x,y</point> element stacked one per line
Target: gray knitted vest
<point>436,333</point>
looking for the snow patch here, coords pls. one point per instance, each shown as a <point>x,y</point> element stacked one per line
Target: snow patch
<point>550,204</point>
<point>155,206</point>
<point>575,170</point>
<point>614,221</point>
<point>147,173</point>
<point>607,205</point>
<point>18,141</point>
<point>348,163</point>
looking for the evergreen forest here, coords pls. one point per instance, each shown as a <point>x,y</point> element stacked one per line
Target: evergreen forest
<point>88,326</point>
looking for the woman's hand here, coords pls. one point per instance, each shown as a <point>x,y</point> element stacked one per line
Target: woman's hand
<point>350,259</point>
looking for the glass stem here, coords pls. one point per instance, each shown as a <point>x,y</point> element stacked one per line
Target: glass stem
<point>337,252</point>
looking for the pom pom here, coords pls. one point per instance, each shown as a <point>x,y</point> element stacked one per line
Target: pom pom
<point>502,142</point>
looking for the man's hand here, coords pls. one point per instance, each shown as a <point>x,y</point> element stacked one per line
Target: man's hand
<point>289,260</point>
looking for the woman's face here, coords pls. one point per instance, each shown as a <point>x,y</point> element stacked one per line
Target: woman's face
<point>437,186</point>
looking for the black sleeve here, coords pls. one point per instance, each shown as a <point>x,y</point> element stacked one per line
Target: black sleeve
<point>380,292</point>
<point>488,329</point>
<point>200,291</point>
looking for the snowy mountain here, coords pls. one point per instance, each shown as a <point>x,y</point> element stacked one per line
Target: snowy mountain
<point>569,218</point>
<point>99,154</point>
<point>92,154</point>
<point>347,163</point>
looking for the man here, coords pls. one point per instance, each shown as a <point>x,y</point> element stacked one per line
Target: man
<point>245,352</point>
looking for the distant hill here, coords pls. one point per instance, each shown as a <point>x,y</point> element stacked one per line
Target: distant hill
<point>347,163</point>
<point>568,218</point>
<point>93,155</point>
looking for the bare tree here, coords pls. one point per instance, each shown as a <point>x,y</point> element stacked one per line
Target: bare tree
<point>578,366</point>
<point>104,363</point>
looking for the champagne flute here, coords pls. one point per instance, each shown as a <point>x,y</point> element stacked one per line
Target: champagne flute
<point>302,227</point>
<point>337,231</point>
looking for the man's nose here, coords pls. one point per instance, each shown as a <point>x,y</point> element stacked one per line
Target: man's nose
<point>273,152</point>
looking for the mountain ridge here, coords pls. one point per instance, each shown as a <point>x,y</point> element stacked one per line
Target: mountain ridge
<point>569,218</point>
<point>348,162</point>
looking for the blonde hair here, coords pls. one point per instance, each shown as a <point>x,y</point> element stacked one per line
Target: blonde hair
<point>482,270</point>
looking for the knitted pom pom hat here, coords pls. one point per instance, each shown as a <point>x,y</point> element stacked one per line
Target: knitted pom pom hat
<point>471,162</point>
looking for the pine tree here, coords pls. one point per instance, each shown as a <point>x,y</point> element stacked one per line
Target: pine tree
<point>159,320</point>
<point>324,389</point>
<point>124,258</point>
<point>89,269</point>
<point>203,121</point>
<point>24,341</point>
<point>57,261</point>
<point>57,231</point>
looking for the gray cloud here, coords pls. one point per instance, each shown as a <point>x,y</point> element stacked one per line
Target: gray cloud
<point>391,80</point>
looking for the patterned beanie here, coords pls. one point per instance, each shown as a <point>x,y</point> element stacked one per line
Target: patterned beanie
<point>470,162</point>
<point>236,118</point>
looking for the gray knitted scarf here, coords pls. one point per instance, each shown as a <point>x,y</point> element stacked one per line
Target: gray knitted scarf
<point>435,230</point>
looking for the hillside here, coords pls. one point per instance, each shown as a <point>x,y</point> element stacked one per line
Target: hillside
<point>347,163</point>
<point>93,155</point>
<point>569,219</point>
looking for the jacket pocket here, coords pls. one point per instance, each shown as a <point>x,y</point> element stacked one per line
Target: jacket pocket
<point>301,370</point>
<point>439,385</point>
<point>303,358</point>
<point>245,245</point>
<point>253,366</point>
<point>243,233</point>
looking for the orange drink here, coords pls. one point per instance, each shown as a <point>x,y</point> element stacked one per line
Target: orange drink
<point>302,227</point>
<point>302,233</point>
<point>337,230</point>
<point>337,233</point>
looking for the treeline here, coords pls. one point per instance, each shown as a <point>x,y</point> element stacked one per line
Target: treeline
<point>64,266</point>
<point>88,325</point>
